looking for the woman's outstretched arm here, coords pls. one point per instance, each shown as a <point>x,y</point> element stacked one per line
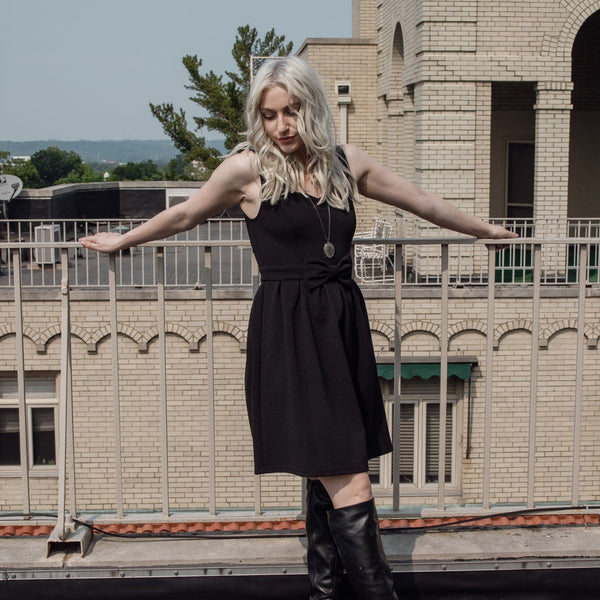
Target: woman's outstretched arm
<point>233,182</point>
<point>375,181</point>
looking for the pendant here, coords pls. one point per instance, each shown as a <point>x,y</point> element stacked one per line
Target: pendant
<point>328,249</point>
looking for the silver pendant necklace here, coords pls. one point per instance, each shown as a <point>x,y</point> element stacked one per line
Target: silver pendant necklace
<point>328,247</point>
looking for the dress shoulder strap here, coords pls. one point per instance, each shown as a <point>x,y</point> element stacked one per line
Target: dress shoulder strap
<point>342,156</point>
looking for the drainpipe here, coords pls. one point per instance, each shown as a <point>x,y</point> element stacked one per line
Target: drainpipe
<point>344,99</point>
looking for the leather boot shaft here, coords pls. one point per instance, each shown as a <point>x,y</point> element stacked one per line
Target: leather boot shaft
<point>325,569</point>
<point>356,532</point>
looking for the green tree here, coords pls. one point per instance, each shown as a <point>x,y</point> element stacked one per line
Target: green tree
<point>87,175</point>
<point>176,168</point>
<point>53,164</point>
<point>140,171</point>
<point>223,100</point>
<point>22,168</point>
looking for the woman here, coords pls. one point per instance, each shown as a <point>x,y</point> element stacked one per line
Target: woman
<point>312,390</point>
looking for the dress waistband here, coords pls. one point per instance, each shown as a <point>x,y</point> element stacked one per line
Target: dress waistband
<point>314,272</point>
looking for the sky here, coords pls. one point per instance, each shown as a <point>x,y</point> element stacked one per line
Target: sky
<point>87,69</point>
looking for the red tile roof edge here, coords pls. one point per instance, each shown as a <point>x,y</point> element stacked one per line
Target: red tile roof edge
<point>544,520</point>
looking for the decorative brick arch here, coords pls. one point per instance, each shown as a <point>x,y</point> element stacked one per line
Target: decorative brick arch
<point>173,328</point>
<point>510,326</point>
<point>46,335</point>
<point>81,333</point>
<point>579,11</point>
<point>420,326</point>
<point>554,328</point>
<point>104,332</point>
<point>464,326</point>
<point>229,329</point>
<point>385,330</point>
<point>9,329</point>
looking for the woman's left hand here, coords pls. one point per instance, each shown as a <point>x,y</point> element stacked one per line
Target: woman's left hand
<point>497,232</point>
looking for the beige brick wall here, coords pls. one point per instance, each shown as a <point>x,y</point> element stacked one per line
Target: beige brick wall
<point>187,392</point>
<point>363,18</point>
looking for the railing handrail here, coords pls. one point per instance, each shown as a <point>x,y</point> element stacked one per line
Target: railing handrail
<point>435,241</point>
<point>419,258</point>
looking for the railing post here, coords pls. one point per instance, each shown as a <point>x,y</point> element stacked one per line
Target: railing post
<point>535,334</point>
<point>65,408</point>
<point>397,377</point>
<point>114,333</point>
<point>583,259</point>
<point>443,378</point>
<point>23,416</point>
<point>162,358</point>
<point>489,375</point>
<point>210,370</point>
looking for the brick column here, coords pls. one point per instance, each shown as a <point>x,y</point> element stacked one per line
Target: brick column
<point>552,132</point>
<point>551,182</point>
<point>444,160</point>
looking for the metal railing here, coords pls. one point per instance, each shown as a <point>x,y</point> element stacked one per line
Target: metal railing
<point>43,265</point>
<point>67,504</point>
<point>136,268</point>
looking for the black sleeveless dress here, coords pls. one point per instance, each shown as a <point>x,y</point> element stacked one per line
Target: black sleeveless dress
<point>312,390</point>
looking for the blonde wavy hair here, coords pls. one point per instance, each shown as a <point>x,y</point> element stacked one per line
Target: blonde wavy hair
<point>282,173</point>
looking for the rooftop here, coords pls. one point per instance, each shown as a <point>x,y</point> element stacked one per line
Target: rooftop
<point>526,555</point>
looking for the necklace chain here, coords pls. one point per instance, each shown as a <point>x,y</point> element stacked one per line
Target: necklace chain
<point>328,248</point>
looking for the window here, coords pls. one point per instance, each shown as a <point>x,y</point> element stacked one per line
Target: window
<point>419,436</point>
<point>41,415</point>
<point>520,164</point>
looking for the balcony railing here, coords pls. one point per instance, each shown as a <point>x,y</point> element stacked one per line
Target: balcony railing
<point>86,270</point>
<point>232,264</point>
<point>135,268</point>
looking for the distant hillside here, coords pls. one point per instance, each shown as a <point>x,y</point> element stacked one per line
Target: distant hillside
<point>119,151</point>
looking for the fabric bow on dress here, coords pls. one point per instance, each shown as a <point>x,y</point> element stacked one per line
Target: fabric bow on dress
<point>318,272</point>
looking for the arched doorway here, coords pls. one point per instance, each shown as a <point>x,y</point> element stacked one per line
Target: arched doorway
<point>584,150</point>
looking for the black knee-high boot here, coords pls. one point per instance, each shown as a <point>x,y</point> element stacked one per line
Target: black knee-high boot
<point>355,530</point>
<point>324,565</point>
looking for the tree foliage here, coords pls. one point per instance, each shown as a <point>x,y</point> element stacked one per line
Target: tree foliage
<point>140,171</point>
<point>22,168</point>
<point>86,175</point>
<point>54,164</point>
<point>223,99</point>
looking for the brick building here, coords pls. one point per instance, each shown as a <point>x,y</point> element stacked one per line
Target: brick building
<point>493,104</point>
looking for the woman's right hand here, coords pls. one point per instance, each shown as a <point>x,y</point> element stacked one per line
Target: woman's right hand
<point>104,241</point>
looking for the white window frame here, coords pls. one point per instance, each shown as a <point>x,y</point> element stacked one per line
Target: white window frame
<point>507,204</point>
<point>420,399</point>
<point>31,404</point>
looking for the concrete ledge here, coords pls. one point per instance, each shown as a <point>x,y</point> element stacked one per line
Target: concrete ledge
<point>548,563</point>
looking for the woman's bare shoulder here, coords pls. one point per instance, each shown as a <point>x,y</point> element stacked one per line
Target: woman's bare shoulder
<point>242,164</point>
<point>239,173</point>
<point>358,160</point>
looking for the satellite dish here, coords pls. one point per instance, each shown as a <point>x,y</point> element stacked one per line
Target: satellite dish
<point>10,187</point>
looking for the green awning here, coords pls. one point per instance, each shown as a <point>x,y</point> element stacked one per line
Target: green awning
<point>425,370</point>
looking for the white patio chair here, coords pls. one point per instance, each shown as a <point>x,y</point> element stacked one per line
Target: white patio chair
<point>371,261</point>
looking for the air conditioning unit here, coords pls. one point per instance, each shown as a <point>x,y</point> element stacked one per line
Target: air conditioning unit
<point>44,234</point>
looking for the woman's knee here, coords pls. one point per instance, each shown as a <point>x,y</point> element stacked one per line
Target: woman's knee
<point>345,490</point>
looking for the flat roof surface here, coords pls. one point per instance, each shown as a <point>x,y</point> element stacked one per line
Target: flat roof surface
<point>554,560</point>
